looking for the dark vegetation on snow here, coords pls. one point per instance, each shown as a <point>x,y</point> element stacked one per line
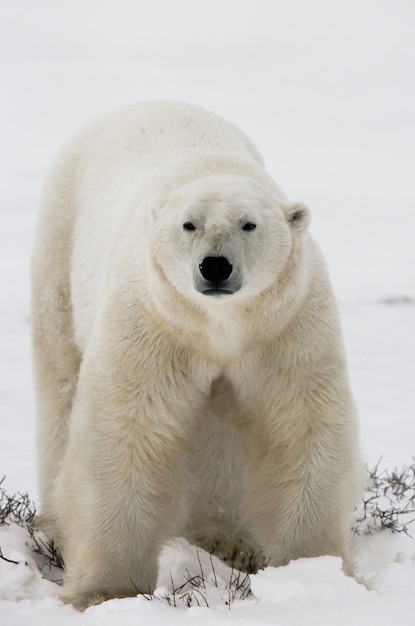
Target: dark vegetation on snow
<point>389,502</point>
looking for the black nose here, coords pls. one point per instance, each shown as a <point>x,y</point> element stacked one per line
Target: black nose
<point>215,268</point>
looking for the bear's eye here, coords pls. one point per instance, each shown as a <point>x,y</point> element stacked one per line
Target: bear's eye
<point>189,226</point>
<point>249,226</point>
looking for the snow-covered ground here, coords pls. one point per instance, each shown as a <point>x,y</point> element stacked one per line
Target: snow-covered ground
<point>326,89</point>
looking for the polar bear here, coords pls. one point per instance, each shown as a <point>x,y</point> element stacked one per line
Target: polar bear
<point>189,367</point>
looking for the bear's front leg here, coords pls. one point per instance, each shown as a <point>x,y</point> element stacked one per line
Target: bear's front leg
<point>298,505</point>
<point>119,494</point>
<point>304,471</point>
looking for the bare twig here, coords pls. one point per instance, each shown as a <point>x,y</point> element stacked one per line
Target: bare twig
<point>3,558</point>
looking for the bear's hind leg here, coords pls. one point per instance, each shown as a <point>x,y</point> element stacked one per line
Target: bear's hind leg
<point>237,549</point>
<point>55,355</point>
<point>218,481</point>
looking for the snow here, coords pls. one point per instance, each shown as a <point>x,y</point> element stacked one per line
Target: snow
<point>326,89</point>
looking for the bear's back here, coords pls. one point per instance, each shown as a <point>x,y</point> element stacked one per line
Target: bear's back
<point>147,133</point>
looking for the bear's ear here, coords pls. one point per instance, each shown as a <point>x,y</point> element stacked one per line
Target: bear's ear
<point>298,216</point>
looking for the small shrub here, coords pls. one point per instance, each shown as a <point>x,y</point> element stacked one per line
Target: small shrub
<point>19,509</point>
<point>389,502</point>
<point>196,590</point>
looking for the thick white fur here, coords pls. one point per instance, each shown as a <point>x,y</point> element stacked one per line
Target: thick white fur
<point>162,411</point>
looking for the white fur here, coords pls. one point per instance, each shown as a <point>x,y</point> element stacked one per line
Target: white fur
<point>164,411</point>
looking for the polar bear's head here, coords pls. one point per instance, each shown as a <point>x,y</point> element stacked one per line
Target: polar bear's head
<point>225,237</point>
